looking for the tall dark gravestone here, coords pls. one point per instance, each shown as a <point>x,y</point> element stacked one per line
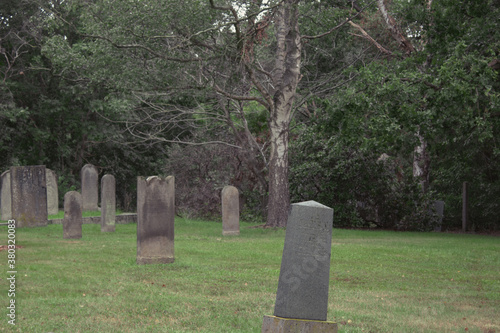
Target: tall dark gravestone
<point>437,212</point>
<point>73,220</point>
<point>155,220</point>
<point>302,296</point>
<point>29,196</point>
<point>108,203</point>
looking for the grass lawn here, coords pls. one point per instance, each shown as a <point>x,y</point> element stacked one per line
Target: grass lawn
<point>379,281</point>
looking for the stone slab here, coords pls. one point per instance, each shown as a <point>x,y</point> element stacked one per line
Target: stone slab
<point>5,196</point>
<point>52,192</point>
<point>438,210</point>
<point>72,222</point>
<point>273,324</point>
<point>108,203</point>
<point>230,211</point>
<point>29,195</point>
<point>155,220</point>
<point>90,187</point>
<point>305,266</point>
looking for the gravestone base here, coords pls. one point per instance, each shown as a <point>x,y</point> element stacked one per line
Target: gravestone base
<point>272,324</point>
<point>230,233</point>
<point>154,260</point>
<point>107,228</point>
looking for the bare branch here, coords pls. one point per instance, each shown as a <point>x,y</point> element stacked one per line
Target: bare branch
<point>367,36</point>
<point>359,12</point>
<point>239,97</point>
<point>396,33</point>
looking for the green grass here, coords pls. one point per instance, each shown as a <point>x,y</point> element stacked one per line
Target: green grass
<point>379,281</point>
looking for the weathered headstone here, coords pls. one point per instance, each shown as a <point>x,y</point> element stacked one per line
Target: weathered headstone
<point>437,211</point>
<point>52,192</point>
<point>108,203</point>
<point>155,220</point>
<point>90,191</point>
<point>29,195</point>
<point>72,222</point>
<point>230,211</point>
<point>302,296</point>
<point>5,196</point>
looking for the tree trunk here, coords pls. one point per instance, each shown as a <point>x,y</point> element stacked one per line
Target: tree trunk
<point>286,76</point>
<point>421,163</point>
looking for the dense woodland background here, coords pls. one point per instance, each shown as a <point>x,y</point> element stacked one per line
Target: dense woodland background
<point>374,108</point>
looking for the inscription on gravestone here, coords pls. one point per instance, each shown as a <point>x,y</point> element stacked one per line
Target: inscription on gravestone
<point>108,203</point>
<point>29,195</point>
<point>230,211</point>
<point>155,220</point>
<point>305,265</point>
<point>5,197</point>
<point>90,191</point>
<point>72,222</point>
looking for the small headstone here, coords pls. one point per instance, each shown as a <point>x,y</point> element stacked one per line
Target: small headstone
<point>305,265</point>
<point>5,196</point>
<point>155,220</point>
<point>29,195</point>
<point>108,203</point>
<point>90,191</point>
<point>52,192</point>
<point>230,211</point>
<point>72,222</point>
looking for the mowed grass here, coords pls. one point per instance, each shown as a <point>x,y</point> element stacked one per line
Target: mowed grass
<point>379,281</point>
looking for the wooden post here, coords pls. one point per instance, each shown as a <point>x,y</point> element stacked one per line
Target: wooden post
<point>464,207</point>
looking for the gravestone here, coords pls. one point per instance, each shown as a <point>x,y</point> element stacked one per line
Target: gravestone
<point>5,196</point>
<point>108,203</point>
<point>72,222</point>
<point>52,192</point>
<point>230,211</point>
<point>302,296</point>
<point>155,220</point>
<point>437,212</point>
<point>90,191</point>
<point>29,195</point>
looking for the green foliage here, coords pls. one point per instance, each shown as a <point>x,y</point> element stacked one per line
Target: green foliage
<point>364,186</point>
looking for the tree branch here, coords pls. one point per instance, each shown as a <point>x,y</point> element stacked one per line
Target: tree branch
<point>367,36</point>
<point>359,12</point>
<point>396,33</point>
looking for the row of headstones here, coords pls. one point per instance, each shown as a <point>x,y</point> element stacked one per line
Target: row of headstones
<point>73,209</point>
<point>155,212</point>
<point>29,194</point>
<point>15,184</point>
<point>89,174</point>
<point>27,191</point>
<point>302,296</point>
